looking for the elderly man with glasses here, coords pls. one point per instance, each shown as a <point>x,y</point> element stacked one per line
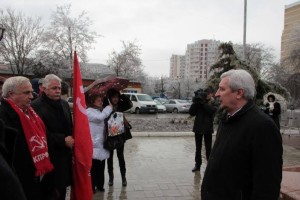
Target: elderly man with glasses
<point>27,149</point>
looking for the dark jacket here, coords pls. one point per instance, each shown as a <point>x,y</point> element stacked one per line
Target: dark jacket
<point>246,160</point>
<point>58,121</point>
<point>275,113</point>
<point>18,155</point>
<point>204,112</point>
<point>10,186</point>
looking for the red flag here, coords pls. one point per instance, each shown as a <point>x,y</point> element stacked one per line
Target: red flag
<point>83,146</point>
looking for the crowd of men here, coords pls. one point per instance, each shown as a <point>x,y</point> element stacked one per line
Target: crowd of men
<point>37,139</point>
<point>36,142</point>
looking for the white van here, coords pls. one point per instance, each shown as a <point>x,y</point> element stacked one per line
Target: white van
<point>142,103</point>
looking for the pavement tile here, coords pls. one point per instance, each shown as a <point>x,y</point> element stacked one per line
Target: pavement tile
<point>160,168</point>
<point>149,194</point>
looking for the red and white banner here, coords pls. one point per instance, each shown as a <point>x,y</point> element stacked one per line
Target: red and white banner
<point>83,146</point>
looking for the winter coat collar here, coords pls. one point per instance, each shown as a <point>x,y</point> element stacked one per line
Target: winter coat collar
<point>54,103</point>
<point>249,105</point>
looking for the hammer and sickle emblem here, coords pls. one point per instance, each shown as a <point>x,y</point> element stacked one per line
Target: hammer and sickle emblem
<point>37,143</point>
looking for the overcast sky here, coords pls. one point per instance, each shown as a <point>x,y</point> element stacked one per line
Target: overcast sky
<point>165,27</point>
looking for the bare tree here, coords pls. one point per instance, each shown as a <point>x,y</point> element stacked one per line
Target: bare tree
<point>67,33</point>
<point>189,87</point>
<point>259,56</point>
<point>148,85</point>
<point>126,63</point>
<point>46,62</point>
<point>175,87</point>
<point>21,39</point>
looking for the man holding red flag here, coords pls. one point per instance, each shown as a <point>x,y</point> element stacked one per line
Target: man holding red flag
<point>83,147</point>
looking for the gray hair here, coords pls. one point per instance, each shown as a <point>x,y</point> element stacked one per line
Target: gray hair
<point>48,78</point>
<point>241,79</point>
<point>11,84</point>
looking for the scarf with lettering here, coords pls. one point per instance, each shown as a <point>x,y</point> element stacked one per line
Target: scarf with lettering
<point>35,133</point>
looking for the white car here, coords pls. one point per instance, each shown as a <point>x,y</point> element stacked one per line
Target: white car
<point>160,108</point>
<point>142,103</point>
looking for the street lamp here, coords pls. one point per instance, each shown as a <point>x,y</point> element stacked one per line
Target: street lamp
<point>2,29</point>
<point>245,29</point>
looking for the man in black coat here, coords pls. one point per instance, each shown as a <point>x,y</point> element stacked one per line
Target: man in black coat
<point>204,110</point>
<point>246,160</point>
<point>56,115</point>
<point>19,91</point>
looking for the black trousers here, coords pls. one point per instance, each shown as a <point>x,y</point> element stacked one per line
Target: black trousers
<point>207,143</point>
<point>110,163</point>
<point>97,173</point>
<point>51,192</point>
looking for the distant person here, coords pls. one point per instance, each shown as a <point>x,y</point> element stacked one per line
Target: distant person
<point>26,142</point>
<point>273,109</point>
<point>35,87</point>
<point>64,90</point>
<point>41,88</point>
<point>204,110</point>
<point>120,103</point>
<point>55,112</point>
<point>246,160</point>
<point>96,116</point>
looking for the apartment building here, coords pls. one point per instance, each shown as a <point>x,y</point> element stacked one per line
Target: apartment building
<point>177,66</point>
<point>291,33</point>
<point>199,58</point>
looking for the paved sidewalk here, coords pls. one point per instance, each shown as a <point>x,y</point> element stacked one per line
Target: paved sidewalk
<point>160,168</point>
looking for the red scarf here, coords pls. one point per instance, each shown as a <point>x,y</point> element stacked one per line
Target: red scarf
<point>35,133</point>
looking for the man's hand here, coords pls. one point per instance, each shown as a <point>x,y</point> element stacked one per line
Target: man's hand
<point>69,140</point>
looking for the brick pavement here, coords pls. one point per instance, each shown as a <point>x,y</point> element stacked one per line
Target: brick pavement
<point>157,168</point>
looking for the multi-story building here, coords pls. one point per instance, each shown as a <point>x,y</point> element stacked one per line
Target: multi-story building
<point>291,32</point>
<point>200,56</point>
<point>177,66</point>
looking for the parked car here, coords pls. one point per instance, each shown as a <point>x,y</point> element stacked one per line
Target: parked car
<point>177,106</point>
<point>161,100</point>
<point>142,103</point>
<point>160,108</point>
<point>70,101</point>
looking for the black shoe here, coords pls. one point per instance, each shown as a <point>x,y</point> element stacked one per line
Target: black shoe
<point>101,189</point>
<point>124,181</point>
<point>94,190</point>
<point>111,182</point>
<point>196,168</point>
